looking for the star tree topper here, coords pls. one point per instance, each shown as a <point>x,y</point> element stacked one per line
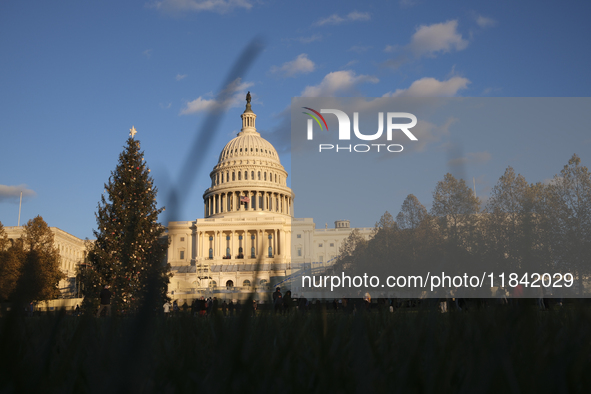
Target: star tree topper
<point>132,131</point>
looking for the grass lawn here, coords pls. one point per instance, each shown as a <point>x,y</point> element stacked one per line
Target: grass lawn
<point>489,350</point>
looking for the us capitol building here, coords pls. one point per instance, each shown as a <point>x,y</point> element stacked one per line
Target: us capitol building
<point>248,239</point>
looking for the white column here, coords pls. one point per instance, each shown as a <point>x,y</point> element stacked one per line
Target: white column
<point>282,243</point>
<point>233,245</point>
<point>216,242</point>
<point>288,242</point>
<point>202,245</point>
<point>193,245</point>
<point>259,241</point>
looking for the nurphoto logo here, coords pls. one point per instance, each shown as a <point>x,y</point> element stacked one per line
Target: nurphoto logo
<point>345,130</point>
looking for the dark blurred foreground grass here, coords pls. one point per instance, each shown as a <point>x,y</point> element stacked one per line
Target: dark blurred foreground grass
<point>495,350</point>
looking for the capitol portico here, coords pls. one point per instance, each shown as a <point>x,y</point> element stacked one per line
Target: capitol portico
<point>248,238</point>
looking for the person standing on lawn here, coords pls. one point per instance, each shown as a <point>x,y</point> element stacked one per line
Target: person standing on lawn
<point>105,297</point>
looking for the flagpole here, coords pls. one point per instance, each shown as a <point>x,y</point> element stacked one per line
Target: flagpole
<point>19,210</point>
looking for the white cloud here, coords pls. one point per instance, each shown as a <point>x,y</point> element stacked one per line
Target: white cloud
<point>350,63</point>
<point>439,37</point>
<point>199,105</point>
<point>429,87</point>
<point>485,22</point>
<point>219,6</point>
<point>337,81</point>
<point>312,38</point>
<point>179,76</point>
<point>427,41</point>
<point>331,20</point>
<point>12,193</point>
<point>336,19</point>
<point>165,106</point>
<point>358,16</point>
<point>147,53</point>
<point>300,65</point>
<point>232,96</point>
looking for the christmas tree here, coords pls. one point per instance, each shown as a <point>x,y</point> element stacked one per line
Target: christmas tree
<point>129,251</point>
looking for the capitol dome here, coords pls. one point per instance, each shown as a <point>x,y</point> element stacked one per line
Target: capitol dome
<point>248,145</point>
<point>249,176</point>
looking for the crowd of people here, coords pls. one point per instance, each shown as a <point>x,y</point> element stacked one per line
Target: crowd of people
<point>283,303</point>
<point>207,307</point>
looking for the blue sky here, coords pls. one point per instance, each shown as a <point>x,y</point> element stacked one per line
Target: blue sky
<point>75,76</point>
